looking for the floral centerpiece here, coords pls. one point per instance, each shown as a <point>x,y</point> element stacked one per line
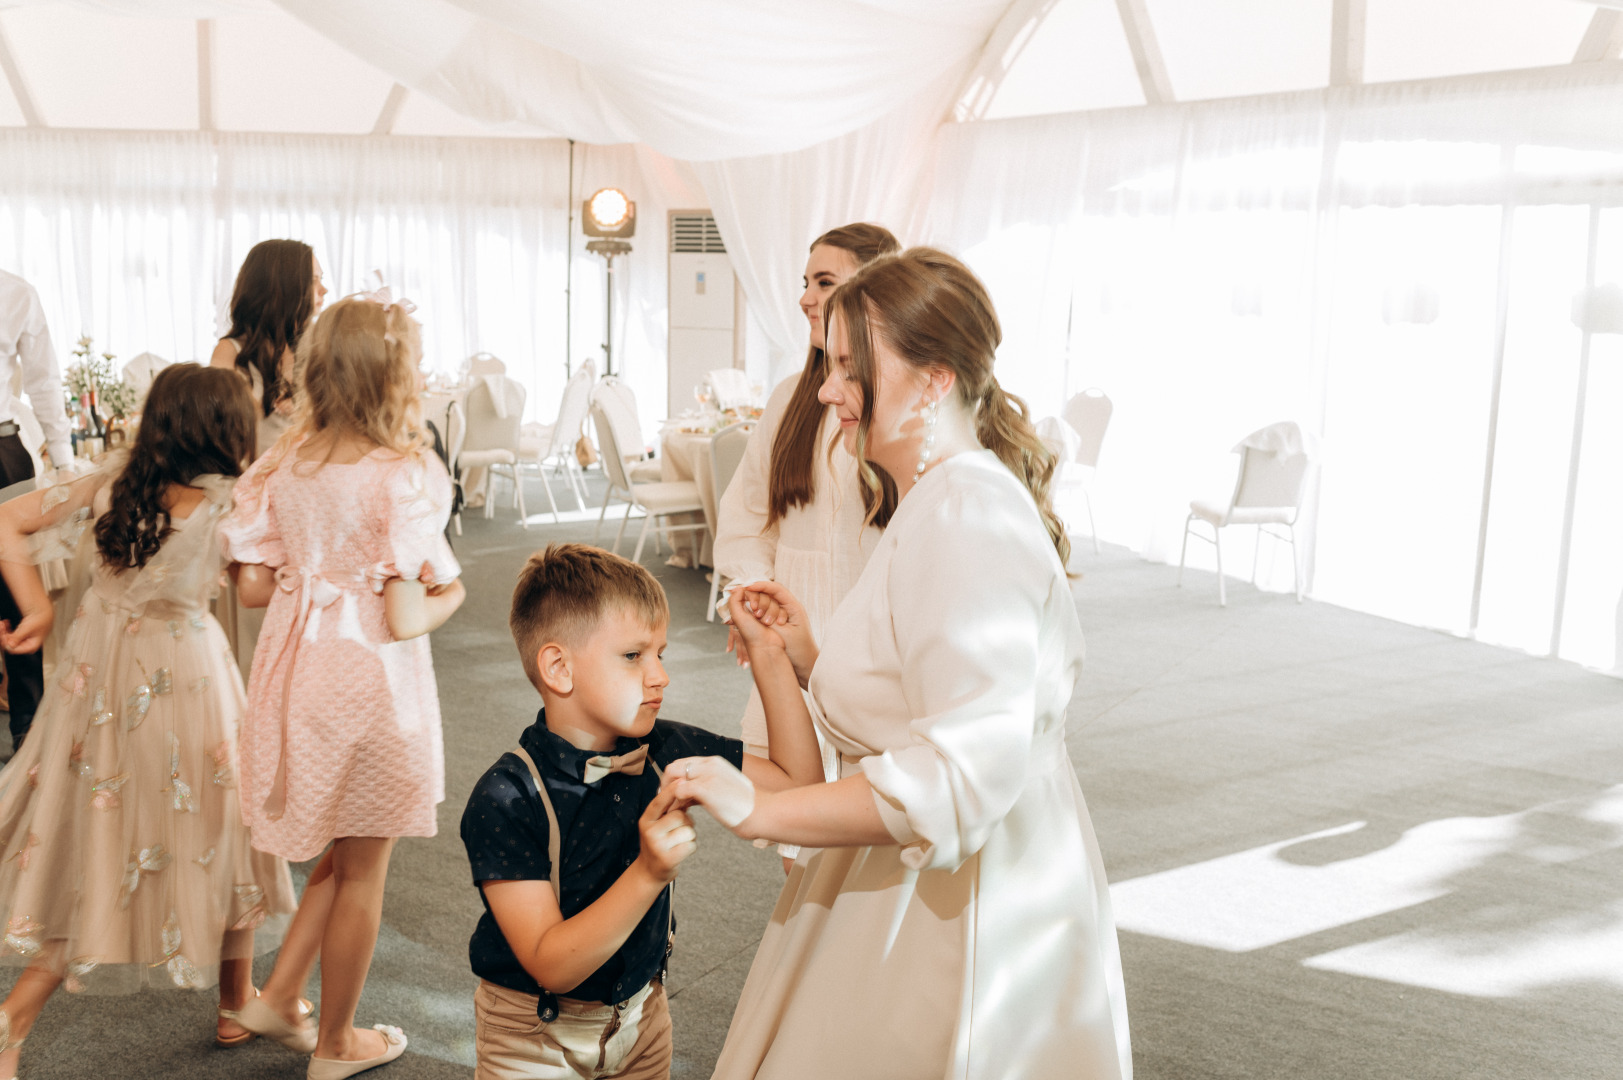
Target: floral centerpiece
<point>95,391</point>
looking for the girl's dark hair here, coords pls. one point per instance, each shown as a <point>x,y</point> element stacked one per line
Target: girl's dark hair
<point>270,308</point>
<point>934,312</point>
<point>197,421</point>
<point>791,477</point>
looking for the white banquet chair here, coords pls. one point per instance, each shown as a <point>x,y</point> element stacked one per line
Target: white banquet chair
<point>656,500</point>
<point>1273,478</point>
<point>483,363</point>
<point>139,373</point>
<point>730,388</point>
<point>1087,415</point>
<point>492,438</point>
<point>620,402</point>
<point>553,444</point>
<point>726,454</point>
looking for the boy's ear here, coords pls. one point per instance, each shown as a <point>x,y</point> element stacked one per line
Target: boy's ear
<point>557,675</point>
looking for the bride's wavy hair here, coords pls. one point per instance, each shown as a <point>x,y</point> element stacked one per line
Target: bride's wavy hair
<point>357,374</point>
<point>196,421</point>
<point>933,312</point>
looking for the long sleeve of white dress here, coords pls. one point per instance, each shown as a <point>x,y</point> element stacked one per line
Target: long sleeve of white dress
<point>970,610</point>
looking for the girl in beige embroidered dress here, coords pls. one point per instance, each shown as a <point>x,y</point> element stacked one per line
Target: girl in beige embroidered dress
<point>124,861</point>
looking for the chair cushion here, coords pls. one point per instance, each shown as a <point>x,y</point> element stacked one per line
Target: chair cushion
<point>645,472</point>
<point>473,459</point>
<point>669,497</point>
<point>1242,515</point>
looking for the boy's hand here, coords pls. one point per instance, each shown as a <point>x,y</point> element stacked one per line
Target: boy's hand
<point>714,784</point>
<point>667,836</point>
<point>30,634</point>
<point>768,615</point>
<point>747,628</point>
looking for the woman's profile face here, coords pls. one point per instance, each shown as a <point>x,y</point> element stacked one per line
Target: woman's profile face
<point>897,427</point>
<point>318,287</point>
<point>826,267</point>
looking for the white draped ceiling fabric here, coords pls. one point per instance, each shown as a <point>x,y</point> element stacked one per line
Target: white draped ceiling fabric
<point>1393,266</point>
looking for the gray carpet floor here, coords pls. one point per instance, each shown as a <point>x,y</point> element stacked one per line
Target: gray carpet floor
<point>1340,847</point>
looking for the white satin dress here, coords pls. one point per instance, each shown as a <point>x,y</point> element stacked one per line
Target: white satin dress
<point>981,945</point>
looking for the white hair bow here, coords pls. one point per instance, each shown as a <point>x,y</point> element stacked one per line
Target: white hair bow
<point>379,293</point>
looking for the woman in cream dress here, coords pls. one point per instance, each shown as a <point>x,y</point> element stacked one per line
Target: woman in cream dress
<point>796,512</point>
<point>279,291</point>
<point>956,921</point>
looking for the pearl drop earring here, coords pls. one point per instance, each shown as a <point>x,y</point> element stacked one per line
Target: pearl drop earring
<point>929,440</point>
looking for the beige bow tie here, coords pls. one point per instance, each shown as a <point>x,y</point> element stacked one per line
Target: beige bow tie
<point>600,766</point>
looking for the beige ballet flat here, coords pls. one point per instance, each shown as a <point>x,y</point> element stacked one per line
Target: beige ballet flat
<point>261,1019</point>
<point>329,1069</point>
<point>305,1009</point>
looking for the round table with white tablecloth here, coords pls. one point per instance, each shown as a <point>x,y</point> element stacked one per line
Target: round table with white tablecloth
<point>685,455</point>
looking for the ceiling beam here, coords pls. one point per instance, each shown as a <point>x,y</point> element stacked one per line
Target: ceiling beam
<point>1147,59</point>
<point>19,88</point>
<point>391,110</point>
<point>1604,38</point>
<point>205,74</point>
<point>1347,42</point>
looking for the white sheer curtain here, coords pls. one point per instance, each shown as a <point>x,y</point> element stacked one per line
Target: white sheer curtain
<point>136,239</point>
<point>1393,267</point>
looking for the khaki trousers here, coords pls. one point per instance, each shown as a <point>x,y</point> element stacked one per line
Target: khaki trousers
<point>588,1041</point>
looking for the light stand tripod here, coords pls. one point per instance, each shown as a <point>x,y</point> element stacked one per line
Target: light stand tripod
<point>608,249</point>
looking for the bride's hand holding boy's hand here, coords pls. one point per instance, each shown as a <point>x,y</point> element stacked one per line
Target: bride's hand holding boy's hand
<point>713,783</point>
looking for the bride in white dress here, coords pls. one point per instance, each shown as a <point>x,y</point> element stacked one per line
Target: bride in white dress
<point>956,921</point>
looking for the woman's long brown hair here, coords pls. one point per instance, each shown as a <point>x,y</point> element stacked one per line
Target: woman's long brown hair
<point>933,312</point>
<point>791,476</point>
<point>270,308</point>
<point>196,421</point>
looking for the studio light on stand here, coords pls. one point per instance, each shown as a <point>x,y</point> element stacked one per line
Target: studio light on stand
<point>612,217</point>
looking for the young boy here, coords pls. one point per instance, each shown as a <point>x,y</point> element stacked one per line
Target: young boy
<point>573,843</point>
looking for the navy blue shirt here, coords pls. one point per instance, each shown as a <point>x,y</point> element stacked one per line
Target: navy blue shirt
<point>505,831</point>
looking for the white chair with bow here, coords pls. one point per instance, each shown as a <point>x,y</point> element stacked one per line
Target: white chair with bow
<point>495,413</point>
<point>1274,466</point>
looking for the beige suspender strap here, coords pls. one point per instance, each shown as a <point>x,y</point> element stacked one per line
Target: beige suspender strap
<point>555,841</point>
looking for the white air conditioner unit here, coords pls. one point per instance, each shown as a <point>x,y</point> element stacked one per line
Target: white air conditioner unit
<point>704,306</point>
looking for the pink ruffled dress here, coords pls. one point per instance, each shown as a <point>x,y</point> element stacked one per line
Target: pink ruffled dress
<point>342,734</point>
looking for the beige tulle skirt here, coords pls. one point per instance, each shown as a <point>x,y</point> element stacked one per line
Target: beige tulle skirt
<point>123,858</point>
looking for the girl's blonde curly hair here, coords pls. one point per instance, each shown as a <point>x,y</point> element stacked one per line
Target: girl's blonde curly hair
<point>356,373</point>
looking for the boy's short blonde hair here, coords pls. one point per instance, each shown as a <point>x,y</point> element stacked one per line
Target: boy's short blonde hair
<point>564,591</point>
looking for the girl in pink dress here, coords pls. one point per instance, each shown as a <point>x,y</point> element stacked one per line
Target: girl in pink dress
<point>340,530</point>
<point>123,858</point>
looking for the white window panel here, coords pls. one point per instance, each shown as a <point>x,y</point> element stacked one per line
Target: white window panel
<point>1422,39</point>
<point>272,73</point>
<point>1242,47</point>
<point>1076,59</point>
<point>86,69</point>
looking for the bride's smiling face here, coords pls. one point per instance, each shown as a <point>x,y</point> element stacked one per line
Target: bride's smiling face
<point>897,425</point>
<point>826,267</point>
